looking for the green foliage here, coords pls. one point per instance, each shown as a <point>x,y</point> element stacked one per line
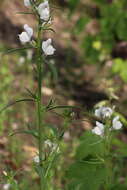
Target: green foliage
<point>89,170</point>
<point>6,78</point>
<point>85,176</point>
<point>111,19</point>
<point>90,145</point>
<point>88,164</point>
<point>10,178</point>
<point>80,24</point>
<point>119,187</point>
<point>73,4</point>
<point>121,147</point>
<point>120,67</point>
<point>92,54</point>
<point>100,1</point>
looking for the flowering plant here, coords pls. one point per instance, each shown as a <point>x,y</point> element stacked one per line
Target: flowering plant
<point>48,145</point>
<point>99,153</point>
<point>100,128</point>
<point>94,156</point>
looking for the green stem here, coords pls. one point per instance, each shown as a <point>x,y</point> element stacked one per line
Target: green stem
<point>51,162</point>
<point>108,162</point>
<point>39,101</point>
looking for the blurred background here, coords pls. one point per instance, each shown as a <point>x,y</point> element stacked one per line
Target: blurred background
<point>89,66</point>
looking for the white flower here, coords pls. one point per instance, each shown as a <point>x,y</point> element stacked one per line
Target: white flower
<point>53,146</point>
<point>44,11</point>
<point>116,124</point>
<point>98,129</point>
<point>36,159</point>
<point>27,3</point>
<point>27,35</point>
<point>103,112</point>
<point>6,186</point>
<point>47,47</point>
<point>48,142</point>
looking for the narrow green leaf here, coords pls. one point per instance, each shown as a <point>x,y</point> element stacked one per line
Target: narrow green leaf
<point>40,171</point>
<point>90,162</point>
<point>14,102</point>
<point>62,107</point>
<point>15,50</point>
<point>31,93</point>
<point>29,132</point>
<point>50,103</point>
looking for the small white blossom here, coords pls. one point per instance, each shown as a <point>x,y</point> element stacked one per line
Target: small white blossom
<point>116,124</point>
<point>6,186</point>
<point>36,159</point>
<point>47,47</point>
<point>52,145</point>
<point>48,142</point>
<point>103,112</point>
<point>44,11</point>
<point>27,35</point>
<point>98,129</point>
<point>27,3</point>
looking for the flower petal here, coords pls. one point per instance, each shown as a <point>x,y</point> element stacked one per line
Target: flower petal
<point>45,14</point>
<point>24,37</point>
<point>47,47</point>
<point>50,50</point>
<point>103,112</point>
<point>116,123</point>
<point>44,11</point>
<point>29,30</point>
<point>27,3</point>
<point>97,131</point>
<point>100,125</point>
